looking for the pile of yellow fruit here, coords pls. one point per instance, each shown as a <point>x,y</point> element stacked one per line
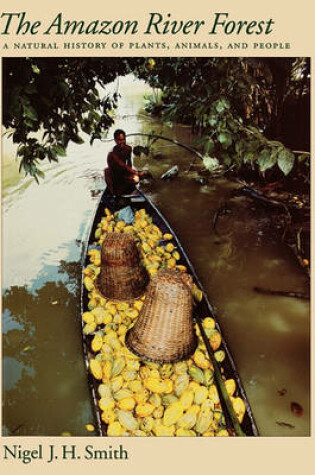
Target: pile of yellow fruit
<point>139,398</point>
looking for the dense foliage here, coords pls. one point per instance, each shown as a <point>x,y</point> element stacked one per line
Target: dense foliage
<point>235,105</point>
<point>47,102</point>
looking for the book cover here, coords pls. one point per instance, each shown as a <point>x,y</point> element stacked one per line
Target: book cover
<point>201,91</point>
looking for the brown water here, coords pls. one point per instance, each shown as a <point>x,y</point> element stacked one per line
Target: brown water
<point>44,382</point>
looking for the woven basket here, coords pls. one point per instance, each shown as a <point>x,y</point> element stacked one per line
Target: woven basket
<point>164,331</point>
<point>122,275</point>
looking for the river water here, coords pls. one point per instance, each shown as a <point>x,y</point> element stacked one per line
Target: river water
<point>45,389</point>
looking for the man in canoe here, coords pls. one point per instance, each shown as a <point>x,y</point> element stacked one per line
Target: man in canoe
<point>121,178</point>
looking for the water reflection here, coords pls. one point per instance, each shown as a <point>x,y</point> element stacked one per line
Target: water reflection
<point>45,393</point>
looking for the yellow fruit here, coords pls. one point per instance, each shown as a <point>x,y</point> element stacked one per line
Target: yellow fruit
<point>90,427</point>
<point>133,364</point>
<point>193,410</point>
<point>173,413</point>
<point>123,394</point>
<point>129,374</point>
<point>197,293</point>
<point>181,383</point>
<point>105,390</point>
<point>230,386</point>
<point>138,305</point>
<point>169,247</point>
<point>204,417</point>
<point>239,408</point>
<point>187,399</point>
<point>193,385</point>
<point>176,255</point>
<point>129,229</point>
<point>107,212</point>
<point>155,399</point>
<point>132,313</point>
<point>201,360</point>
<point>118,366</point>
<point>108,317</point>
<point>142,396</point>
<point>146,248</point>
<point>208,433</point>
<point>168,399</point>
<point>89,283</point>
<point>171,263</point>
<point>208,376</point>
<point>89,328</point>
<point>127,404</point>
<point>154,385</point>
<point>107,350</point>
<point>196,374</point>
<point>208,323</point>
<point>88,317</point>
<point>116,383</point>
<point>127,420</point>
<point>160,430</point>
<point>222,433</point>
<point>219,356</point>
<point>201,395</point>
<point>147,424</point>
<point>167,236</point>
<point>187,421</point>
<point>181,268</point>
<point>213,394</point>
<point>114,429</point>
<point>121,224</point>
<point>108,416</point>
<point>168,386</point>
<point>135,386</point>
<point>107,370</point>
<point>181,367</point>
<point>96,368</point>
<point>144,410</point>
<point>158,412</point>
<point>97,343</point>
<point>215,339</point>
<point>155,373</point>
<point>106,403</point>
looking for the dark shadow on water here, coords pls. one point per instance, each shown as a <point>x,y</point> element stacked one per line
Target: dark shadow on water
<point>45,389</point>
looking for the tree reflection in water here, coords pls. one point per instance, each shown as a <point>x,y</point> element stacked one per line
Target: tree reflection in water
<point>45,389</point>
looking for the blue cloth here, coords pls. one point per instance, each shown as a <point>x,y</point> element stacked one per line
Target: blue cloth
<point>126,214</point>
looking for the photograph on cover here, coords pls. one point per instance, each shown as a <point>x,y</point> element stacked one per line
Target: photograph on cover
<point>156,246</point>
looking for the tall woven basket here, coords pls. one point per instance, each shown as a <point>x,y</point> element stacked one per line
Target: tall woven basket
<point>122,275</point>
<point>164,331</point>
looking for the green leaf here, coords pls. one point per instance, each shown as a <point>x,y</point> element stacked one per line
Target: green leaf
<point>267,159</point>
<point>60,150</point>
<point>30,112</point>
<point>77,139</point>
<point>35,69</point>
<point>225,139</point>
<point>285,161</point>
<point>40,174</point>
<point>248,157</point>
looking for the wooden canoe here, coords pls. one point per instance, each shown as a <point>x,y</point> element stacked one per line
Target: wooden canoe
<point>203,308</point>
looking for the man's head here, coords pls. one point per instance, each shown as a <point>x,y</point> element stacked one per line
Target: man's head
<point>120,137</point>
